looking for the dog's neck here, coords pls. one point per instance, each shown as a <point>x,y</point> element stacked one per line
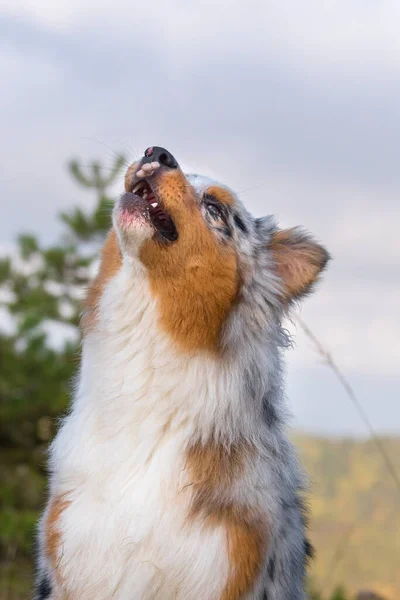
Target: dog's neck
<point>131,370</point>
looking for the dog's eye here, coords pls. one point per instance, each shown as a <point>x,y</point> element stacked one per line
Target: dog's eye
<point>213,207</point>
<point>214,210</point>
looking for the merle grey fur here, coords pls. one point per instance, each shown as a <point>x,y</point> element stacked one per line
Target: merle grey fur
<point>253,341</point>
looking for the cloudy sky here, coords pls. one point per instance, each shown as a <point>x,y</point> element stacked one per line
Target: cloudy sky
<point>294,104</point>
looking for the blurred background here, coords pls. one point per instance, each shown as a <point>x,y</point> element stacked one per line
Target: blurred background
<point>293,104</point>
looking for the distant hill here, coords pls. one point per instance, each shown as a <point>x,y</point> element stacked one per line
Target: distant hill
<point>355,508</point>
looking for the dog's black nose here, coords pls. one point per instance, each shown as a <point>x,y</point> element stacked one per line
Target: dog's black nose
<point>161,155</point>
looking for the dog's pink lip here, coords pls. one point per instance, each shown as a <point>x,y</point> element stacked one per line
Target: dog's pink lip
<point>132,208</point>
<point>143,201</point>
<point>126,218</point>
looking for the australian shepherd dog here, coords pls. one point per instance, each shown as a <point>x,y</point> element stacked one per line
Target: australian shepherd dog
<point>172,476</point>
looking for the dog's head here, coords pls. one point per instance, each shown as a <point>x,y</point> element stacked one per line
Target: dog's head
<point>203,253</point>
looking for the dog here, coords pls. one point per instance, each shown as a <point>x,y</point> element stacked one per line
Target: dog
<point>172,476</point>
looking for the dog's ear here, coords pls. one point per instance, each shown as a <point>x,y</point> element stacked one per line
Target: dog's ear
<point>298,260</point>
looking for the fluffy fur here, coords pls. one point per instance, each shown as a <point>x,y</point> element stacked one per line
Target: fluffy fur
<point>172,476</point>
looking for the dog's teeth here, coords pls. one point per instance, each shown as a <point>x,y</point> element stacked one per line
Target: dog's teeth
<point>154,204</point>
<point>140,174</point>
<point>155,165</point>
<point>147,167</point>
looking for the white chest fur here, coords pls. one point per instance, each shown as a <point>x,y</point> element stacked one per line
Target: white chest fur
<point>119,463</point>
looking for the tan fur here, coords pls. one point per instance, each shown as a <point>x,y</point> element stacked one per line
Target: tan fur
<point>221,194</point>
<point>298,261</point>
<point>53,534</point>
<point>213,469</point>
<point>196,278</point>
<point>247,542</point>
<point>111,260</point>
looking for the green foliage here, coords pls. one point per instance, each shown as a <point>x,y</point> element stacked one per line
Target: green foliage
<point>97,179</point>
<point>5,269</point>
<point>43,288</point>
<point>339,594</point>
<point>89,227</point>
<point>28,245</point>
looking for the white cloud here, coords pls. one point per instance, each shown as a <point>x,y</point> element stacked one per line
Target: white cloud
<point>353,33</point>
<point>361,338</point>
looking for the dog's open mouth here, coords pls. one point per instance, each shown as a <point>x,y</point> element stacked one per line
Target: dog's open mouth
<point>160,219</point>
